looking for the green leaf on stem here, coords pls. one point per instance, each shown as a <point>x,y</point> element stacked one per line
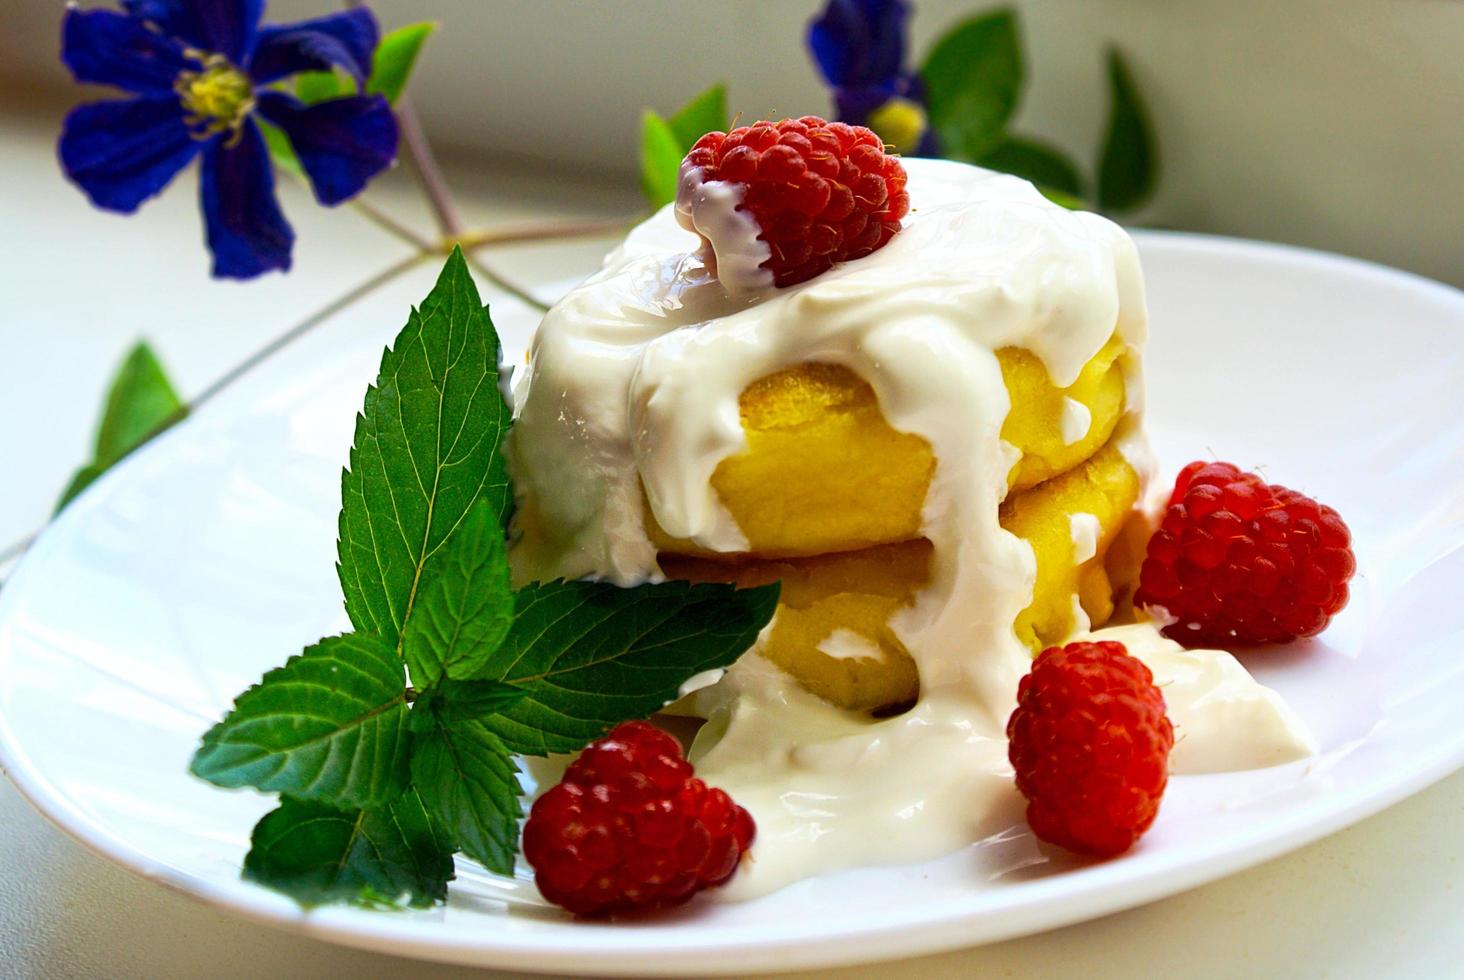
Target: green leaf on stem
<point>589,654</point>
<point>281,151</point>
<point>427,448</point>
<point>386,857</point>
<point>465,606</point>
<point>141,402</point>
<point>973,80</point>
<point>469,784</point>
<point>705,113</point>
<point>664,142</point>
<point>321,86</point>
<point>1043,165</point>
<point>80,480</point>
<point>329,726</point>
<point>396,56</point>
<point>660,157</point>
<point>1128,170</point>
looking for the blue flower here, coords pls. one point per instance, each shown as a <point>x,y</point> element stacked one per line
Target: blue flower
<point>859,46</point>
<point>199,71</point>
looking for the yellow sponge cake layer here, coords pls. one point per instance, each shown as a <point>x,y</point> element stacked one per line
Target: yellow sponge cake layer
<point>824,472</point>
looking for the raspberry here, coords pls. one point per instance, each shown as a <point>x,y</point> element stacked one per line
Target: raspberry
<point>1240,561</point>
<point>1090,744</point>
<point>630,829</point>
<point>821,192</point>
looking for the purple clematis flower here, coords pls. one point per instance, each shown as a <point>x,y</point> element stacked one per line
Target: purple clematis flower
<point>199,71</point>
<point>859,46</point>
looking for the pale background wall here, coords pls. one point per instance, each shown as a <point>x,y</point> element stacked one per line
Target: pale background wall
<point>1332,123</point>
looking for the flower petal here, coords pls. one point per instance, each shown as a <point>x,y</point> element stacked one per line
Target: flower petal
<point>345,40</point>
<point>108,48</point>
<point>341,143</point>
<point>225,27</point>
<point>124,151</point>
<point>859,43</point>
<point>247,233</point>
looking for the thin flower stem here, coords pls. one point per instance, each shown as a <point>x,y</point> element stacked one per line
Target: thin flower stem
<point>439,193</point>
<point>439,197</point>
<point>18,548</point>
<point>591,228</point>
<point>391,225</point>
<point>483,238</point>
<point>522,295</point>
<point>306,325</point>
<point>429,174</point>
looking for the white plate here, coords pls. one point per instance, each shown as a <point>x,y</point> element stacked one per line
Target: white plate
<point>208,557</point>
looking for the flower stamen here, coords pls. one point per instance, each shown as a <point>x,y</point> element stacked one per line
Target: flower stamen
<point>216,99</point>
<point>901,123</point>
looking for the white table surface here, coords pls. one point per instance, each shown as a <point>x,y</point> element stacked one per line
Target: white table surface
<point>1383,898</point>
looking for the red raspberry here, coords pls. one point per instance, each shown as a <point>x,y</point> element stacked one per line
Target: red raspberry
<point>629,828</point>
<point>1090,743</point>
<point>821,192</point>
<point>1240,561</point>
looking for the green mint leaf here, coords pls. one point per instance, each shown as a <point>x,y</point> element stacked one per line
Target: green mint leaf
<point>469,784</point>
<point>1044,166</point>
<point>589,654</point>
<point>396,56</point>
<point>473,699</point>
<point>427,447</point>
<point>386,857</point>
<point>1128,170</point>
<point>465,607</point>
<point>141,402</point>
<point>705,113</point>
<point>329,726</point>
<point>973,79</point>
<point>660,159</point>
<point>321,86</point>
<point>281,150</point>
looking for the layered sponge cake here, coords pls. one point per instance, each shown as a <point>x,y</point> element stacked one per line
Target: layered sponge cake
<point>945,431</point>
<point>830,498</point>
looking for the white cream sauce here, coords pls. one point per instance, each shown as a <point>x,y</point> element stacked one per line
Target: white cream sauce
<point>634,382</point>
<point>1077,419</point>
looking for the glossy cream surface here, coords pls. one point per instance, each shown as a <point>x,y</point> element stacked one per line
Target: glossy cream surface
<point>632,394</point>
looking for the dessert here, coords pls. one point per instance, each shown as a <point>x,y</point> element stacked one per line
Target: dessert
<point>936,446</point>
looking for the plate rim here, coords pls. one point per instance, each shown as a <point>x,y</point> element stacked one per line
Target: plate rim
<point>1026,908</point>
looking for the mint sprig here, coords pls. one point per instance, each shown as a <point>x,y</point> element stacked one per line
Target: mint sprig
<point>382,782</point>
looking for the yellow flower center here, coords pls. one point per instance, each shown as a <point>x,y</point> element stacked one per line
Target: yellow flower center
<point>900,123</point>
<point>216,98</point>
